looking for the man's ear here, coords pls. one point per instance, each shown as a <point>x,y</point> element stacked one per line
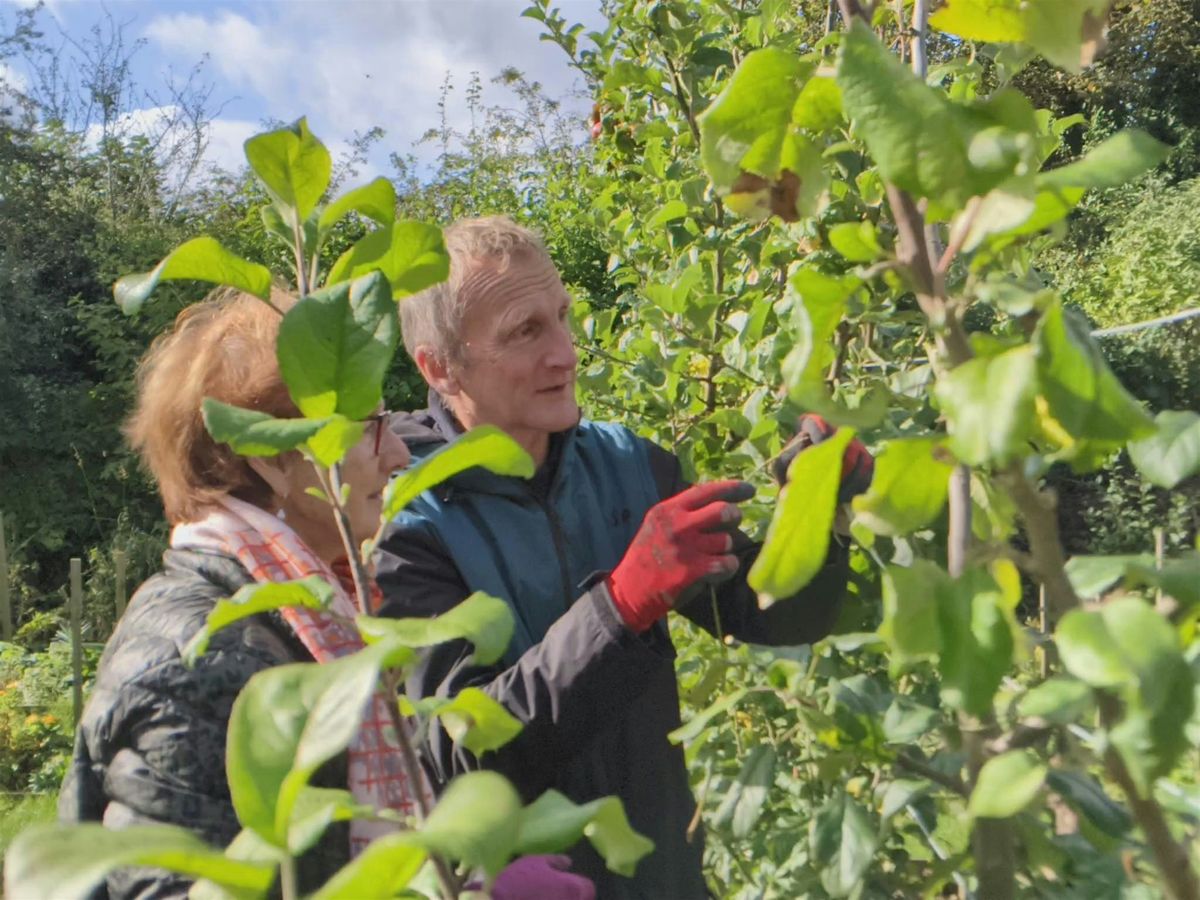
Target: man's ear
<point>270,470</point>
<point>436,370</point>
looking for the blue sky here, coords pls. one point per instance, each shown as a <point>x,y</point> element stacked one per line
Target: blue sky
<point>346,64</point>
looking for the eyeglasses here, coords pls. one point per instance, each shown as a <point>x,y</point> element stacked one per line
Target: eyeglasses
<point>380,420</point>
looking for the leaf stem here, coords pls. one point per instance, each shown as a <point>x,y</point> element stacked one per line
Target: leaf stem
<point>289,889</point>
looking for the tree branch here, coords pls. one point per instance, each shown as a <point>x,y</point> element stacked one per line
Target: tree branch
<point>1179,879</point>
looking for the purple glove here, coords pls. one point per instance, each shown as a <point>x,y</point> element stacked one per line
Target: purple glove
<point>542,878</point>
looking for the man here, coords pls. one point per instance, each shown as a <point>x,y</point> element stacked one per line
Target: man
<point>590,555</point>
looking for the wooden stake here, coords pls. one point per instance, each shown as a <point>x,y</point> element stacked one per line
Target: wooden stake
<point>6,622</point>
<point>76,605</point>
<point>120,561</point>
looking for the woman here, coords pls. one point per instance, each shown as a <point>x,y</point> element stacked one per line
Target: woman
<point>151,743</point>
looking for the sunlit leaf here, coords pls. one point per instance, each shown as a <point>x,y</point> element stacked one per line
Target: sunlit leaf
<point>68,861</point>
<point>483,620</point>
<point>989,405</point>
<point>485,446</point>
<point>798,537</point>
<point>475,821</point>
<point>1083,394</point>
<point>312,592</point>
<point>411,255</point>
<point>335,346</point>
<point>252,433</point>
<point>375,200</point>
<point>476,721</point>
<point>293,166</point>
<point>200,259</point>
<point>379,872</point>
<point>1172,453</point>
<point>287,722</point>
<point>908,490</point>
<point>1006,785</point>
<point>552,823</point>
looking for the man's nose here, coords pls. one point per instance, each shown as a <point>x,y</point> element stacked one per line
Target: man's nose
<point>562,355</point>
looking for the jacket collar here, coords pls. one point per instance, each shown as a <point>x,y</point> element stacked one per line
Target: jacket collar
<point>544,482</point>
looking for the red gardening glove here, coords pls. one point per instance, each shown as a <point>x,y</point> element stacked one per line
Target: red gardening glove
<point>858,466</point>
<point>683,540</point>
<point>542,878</point>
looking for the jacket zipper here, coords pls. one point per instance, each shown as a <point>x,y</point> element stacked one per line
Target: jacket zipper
<point>559,549</point>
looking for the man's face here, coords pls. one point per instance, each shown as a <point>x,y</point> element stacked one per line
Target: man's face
<point>517,363</point>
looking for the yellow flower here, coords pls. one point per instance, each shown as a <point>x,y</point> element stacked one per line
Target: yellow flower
<point>31,719</point>
<point>49,719</point>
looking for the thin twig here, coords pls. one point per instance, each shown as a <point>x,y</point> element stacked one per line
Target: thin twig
<point>919,767</point>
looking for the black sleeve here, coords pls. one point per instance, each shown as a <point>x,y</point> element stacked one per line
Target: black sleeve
<point>564,690</point>
<point>731,608</point>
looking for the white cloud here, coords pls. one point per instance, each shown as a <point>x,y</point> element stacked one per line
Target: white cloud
<point>359,63</point>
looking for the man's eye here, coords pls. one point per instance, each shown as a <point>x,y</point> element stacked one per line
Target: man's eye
<point>529,329</point>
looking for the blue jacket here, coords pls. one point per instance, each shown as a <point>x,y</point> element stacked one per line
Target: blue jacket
<point>499,532</point>
<point>596,700</point>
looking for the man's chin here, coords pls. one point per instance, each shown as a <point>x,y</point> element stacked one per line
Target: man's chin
<point>568,418</point>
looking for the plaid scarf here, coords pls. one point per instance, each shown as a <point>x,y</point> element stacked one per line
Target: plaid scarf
<point>271,551</point>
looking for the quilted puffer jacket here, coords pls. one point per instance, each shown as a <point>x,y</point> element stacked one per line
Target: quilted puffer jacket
<point>151,744</point>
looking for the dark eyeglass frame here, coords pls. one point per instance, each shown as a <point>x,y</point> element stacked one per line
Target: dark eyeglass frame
<point>380,420</point>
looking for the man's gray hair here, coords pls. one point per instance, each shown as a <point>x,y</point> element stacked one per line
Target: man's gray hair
<point>434,316</point>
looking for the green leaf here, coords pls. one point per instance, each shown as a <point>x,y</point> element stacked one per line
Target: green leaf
<point>1092,576</point>
<point>474,821</point>
<point>842,842</point>
<point>485,446</point>
<point>1127,647</point>
<point>1068,33</point>
<point>979,637</point>
<point>857,241</point>
<point>1085,795</point>
<point>747,126</point>
<point>1006,785</point>
<point>315,810</point>
<point>335,439</point>
<point>743,804</point>
<point>200,259</point>
<point>1172,453</point>
<point>68,861</point>
<point>252,433</point>
<point>668,212</point>
<point>335,347</point>
<point>798,537</point>
<point>1080,389</point>
<point>915,135</point>
<point>411,255</point>
<point>1059,699</point>
<point>312,592</point>
<point>477,722</point>
<point>818,306</point>
<point>694,726</point>
<point>293,166</point>
<point>287,722</point>
<point>906,720</point>
<point>380,872</point>
<point>908,490</point>
<point>481,619</point>
<point>989,406</point>
<point>912,597</point>
<point>818,106</point>
<point>552,823</point>
<point>375,200</point>
<point>1114,162</point>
